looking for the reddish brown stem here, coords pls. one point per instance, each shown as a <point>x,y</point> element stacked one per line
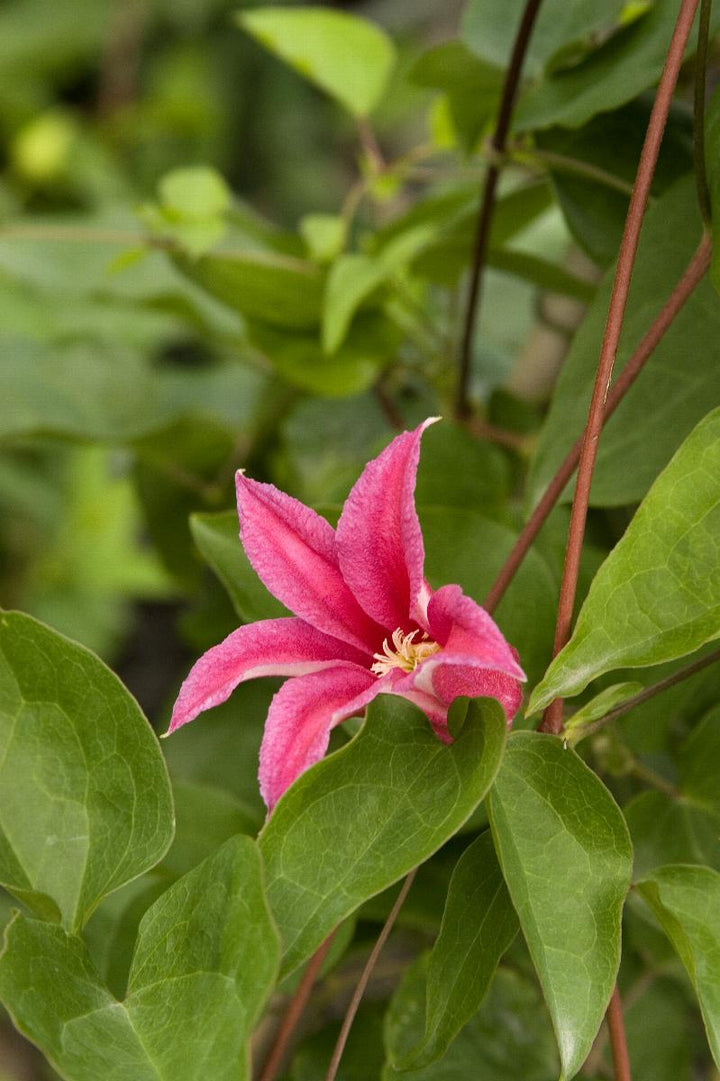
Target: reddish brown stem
<point>482,234</point>
<point>366,973</point>
<point>295,1011</point>
<point>552,721</point>
<point>694,273</point>
<point>618,1042</point>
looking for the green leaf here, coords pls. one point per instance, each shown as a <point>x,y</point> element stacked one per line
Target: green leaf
<point>478,925</point>
<point>472,86</point>
<point>360,819</point>
<point>668,398</point>
<point>204,964</point>
<point>565,854</point>
<point>670,830</point>
<point>351,280</point>
<point>686,901</point>
<point>629,62</point>
<point>697,764</point>
<point>324,235</point>
<point>347,57</point>
<point>195,192</point>
<point>206,817</point>
<point>85,794</point>
<point>489,29</point>
<point>712,165</point>
<point>272,288</point>
<point>508,1037</point>
<point>482,484</point>
<point>657,595</point>
<point>598,706</point>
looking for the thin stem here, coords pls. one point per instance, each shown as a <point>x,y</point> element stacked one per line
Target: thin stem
<point>703,192</point>
<point>618,1041</point>
<point>572,166</point>
<point>294,1011</point>
<point>482,235</point>
<point>648,692</point>
<point>654,779</point>
<point>693,274</point>
<point>552,721</point>
<point>363,981</point>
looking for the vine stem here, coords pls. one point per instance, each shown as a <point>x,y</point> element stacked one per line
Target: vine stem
<point>552,721</point>
<point>366,973</point>
<point>618,1041</point>
<point>482,234</point>
<point>294,1012</point>
<point>693,274</point>
<point>647,693</point>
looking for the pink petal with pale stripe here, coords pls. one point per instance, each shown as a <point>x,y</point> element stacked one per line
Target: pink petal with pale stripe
<point>462,627</point>
<point>450,681</point>
<point>293,552</point>
<point>272,647</point>
<point>379,543</point>
<point>301,717</point>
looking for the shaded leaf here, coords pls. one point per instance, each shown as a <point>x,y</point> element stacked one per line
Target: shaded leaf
<point>85,794</point>
<point>478,925</point>
<point>360,819</point>
<point>667,830</point>
<point>565,854</point>
<point>686,901</point>
<point>657,595</point>
<point>207,941</point>
<point>472,86</point>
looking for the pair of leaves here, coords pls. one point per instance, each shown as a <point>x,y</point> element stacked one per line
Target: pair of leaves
<point>204,964</point>
<point>657,596</point>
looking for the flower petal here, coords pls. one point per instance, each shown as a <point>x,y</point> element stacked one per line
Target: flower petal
<point>293,552</point>
<point>272,647</point>
<point>450,681</point>
<point>300,718</point>
<point>462,627</point>
<point>379,543</point>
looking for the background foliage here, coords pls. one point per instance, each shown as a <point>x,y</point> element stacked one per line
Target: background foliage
<point>242,239</point>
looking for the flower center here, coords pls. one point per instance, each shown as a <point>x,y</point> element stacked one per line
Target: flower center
<point>406,655</point>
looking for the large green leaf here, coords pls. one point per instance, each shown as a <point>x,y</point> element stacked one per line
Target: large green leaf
<point>272,288</point>
<point>565,854</point>
<point>86,801</point>
<point>657,595</point>
<point>686,901</point>
<point>478,925</point>
<point>509,1037</point>
<point>204,963</point>
<point>362,818</point>
<point>668,398</point>
<point>347,57</point>
<point>628,63</point>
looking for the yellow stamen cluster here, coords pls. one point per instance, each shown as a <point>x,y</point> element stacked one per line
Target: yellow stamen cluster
<point>406,655</point>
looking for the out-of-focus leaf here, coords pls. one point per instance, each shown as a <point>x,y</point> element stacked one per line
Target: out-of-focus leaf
<point>670,830</point>
<point>658,1026</point>
<point>206,816</point>
<point>272,288</point>
<point>482,484</point>
<point>712,140</point>
<point>657,595</point>
<point>511,1027</point>
<point>207,940</point>
<point>686,901</point>
<point>478,925</point>
<point>667,399</point>
<point>490,29</point>
<point>472,86</point>
<point>629,62</point>
<point>324,235</point>
<point>192,209</point>
<point>404,793</point>
<point>566,857</point>
<point>86,799</point>
<point>697,764</point>
<point>347,57</point>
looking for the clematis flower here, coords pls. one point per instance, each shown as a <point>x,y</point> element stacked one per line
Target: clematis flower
<point>366,621</point>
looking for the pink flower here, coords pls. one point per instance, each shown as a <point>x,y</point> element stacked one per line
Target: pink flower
<point>366,622</point>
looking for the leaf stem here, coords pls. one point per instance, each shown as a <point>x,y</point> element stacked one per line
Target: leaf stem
<point>363,981</point>
<point>482,235</point>
<point>703,192</point>
<point>294,1011</point>
<point>618,1041</point>
<point>572,166</point>
<point>648,692</point>
<point>693,274</point>
<point>552,720</point>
